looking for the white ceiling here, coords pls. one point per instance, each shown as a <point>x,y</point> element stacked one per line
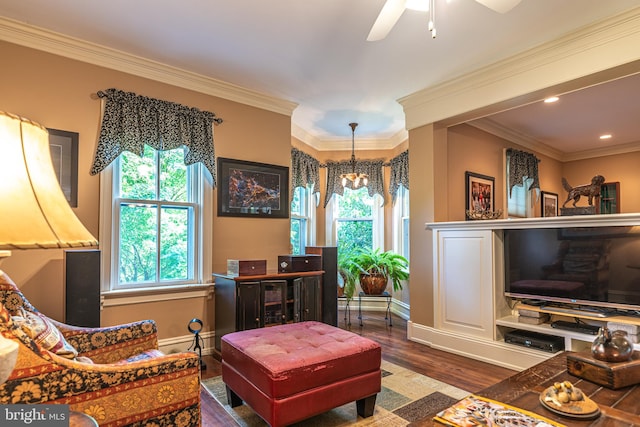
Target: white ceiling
<point>315,53</point>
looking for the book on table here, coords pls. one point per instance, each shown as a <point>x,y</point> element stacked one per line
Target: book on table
<point>479,411</point>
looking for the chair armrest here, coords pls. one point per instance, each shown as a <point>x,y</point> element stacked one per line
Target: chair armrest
<point>114,394</point>
<point>113,343</point>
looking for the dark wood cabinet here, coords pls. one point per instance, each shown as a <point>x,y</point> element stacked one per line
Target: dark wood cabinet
<point>249,302</point>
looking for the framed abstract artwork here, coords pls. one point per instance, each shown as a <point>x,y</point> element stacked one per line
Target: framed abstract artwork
<point>251,189</point>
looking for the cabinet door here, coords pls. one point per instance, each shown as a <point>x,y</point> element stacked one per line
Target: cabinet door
<point>464,293</point>
<point>273,305</point>
<point>248,306</point>
<point>307,297</point>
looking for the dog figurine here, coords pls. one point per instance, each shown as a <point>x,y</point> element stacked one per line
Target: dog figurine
<point>588,190</point>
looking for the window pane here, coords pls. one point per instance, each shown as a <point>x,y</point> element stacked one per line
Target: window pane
<point>354,234</point>
<point>138,237</point>
<point>138,175</point>
<point>355,204</point>
<point>298,235</point>
<point>298,202</point>
<point>405,237</point>
<point>175,244</point>
<point>173,176</point>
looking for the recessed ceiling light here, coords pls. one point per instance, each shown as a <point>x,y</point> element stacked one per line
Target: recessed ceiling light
<point>551,99</point>
<point>606,136</point>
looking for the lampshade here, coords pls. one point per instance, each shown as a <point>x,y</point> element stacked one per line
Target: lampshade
<point>34,212</point>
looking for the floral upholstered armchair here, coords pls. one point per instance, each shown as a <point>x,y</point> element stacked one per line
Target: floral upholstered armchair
<point>115,374</point>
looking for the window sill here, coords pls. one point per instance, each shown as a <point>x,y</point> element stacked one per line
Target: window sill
<point>146,295</point>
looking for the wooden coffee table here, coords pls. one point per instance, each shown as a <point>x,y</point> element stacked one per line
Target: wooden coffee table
<point>618,407</point>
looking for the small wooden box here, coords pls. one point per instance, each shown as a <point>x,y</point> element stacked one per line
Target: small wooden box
<point>610,375</point>
<point>236,267</point>
<point>297,263</point>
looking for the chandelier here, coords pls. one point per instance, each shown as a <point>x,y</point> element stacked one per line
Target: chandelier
<point>353,176</point>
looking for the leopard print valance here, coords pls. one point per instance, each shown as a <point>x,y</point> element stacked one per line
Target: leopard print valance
<point>305,170</point>
<point>130,121</point>
<point>399,174</point>
<point>522,165</point>
<point>373,168</point>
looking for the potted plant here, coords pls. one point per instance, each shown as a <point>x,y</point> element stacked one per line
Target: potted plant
<point>375,268</point>
<point>349,273</point>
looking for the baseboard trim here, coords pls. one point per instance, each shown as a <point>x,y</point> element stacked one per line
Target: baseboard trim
<point>184,342</point>
<point>495,352</point>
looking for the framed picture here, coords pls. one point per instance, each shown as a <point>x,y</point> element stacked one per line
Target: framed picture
<point>479,191</point>
<point>549,204</point>
<point>64,155</point>
<point>251,189</point>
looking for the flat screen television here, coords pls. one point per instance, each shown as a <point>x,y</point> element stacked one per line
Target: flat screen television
<point>578,266</point>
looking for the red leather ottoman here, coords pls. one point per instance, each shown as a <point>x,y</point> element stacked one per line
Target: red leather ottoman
<point>291,372</point>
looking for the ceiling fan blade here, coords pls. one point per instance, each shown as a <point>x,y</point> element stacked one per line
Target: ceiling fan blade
<point>387,18</point>
<point>500,6</point>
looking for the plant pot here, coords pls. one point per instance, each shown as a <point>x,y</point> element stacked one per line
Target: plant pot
<point>373,284</point>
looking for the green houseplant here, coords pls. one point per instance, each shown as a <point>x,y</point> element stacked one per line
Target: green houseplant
<point>349,273</point>
<point>374,268</point>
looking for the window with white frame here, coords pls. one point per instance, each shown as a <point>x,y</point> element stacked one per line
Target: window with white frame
<point>519,198</point>
<point>354,220</point>
<point>156,221</point>
<point>302,220</point>
<point>401,222</point>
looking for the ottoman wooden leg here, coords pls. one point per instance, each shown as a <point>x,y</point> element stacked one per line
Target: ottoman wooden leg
<point>233,399</point>
<point>366,406</point>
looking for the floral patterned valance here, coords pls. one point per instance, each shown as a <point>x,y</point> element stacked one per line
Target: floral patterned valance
<point>130,121</point>
<point>522,165</point>
<point>305,170</point>
<point>399,174</point>
<point>373,168</point>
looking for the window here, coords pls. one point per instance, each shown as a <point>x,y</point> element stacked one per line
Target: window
<point>401,222</point>
<point>354,220</point>
<point>302,220</point>
<point>155,221</point>
<point>519,201</point>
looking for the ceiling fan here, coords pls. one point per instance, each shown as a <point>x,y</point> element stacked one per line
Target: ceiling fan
<point>392,10</point>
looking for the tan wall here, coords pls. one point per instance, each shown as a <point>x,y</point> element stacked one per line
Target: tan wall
<point>474,150</point>
<point>622,168</point>
<point>59,93</point>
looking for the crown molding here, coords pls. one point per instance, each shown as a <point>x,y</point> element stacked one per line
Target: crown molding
<point>334,144</point>
<point>600,152</point>
<point>494,128</point>
<point>593,48</point>
<point>37,38</point>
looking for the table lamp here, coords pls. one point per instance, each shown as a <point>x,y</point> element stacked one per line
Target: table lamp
<point>34,213</point>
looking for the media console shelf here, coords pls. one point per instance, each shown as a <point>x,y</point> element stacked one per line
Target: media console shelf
<point>472,313</point>
<point>574,341</point>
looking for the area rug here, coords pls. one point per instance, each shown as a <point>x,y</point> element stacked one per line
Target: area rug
<point>406,396</point>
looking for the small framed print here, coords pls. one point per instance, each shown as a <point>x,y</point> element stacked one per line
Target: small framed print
<point>479,191</point>
<point>64,155</point>
<point>549,204</point>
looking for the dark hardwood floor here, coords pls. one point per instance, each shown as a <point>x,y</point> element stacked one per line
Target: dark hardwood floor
<point>459,371</point>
